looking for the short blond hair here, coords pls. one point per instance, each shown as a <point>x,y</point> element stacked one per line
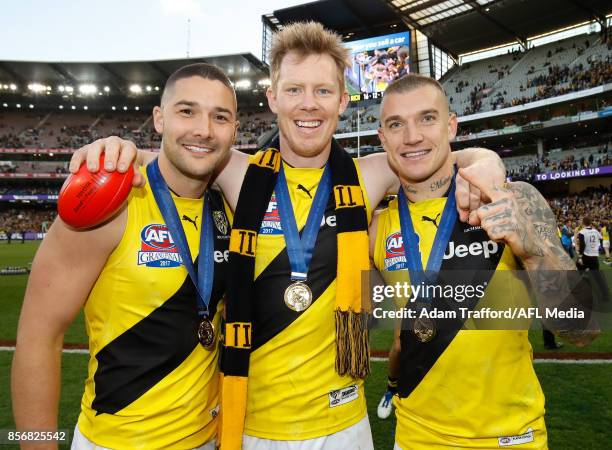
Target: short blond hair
<point>308,38</point>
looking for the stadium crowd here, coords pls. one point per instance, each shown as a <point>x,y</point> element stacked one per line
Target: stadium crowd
<point>546,164</point>
<point>559,80</point>
<point>25,220</point>
<point>594,202</point>
<point>56,135</point>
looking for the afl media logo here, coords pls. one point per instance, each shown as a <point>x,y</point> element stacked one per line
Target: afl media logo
<point>157,248</point>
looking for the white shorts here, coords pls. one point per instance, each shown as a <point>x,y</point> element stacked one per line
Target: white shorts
<point>80,442</point>
<point>606,244</point>
<point>355,437</point>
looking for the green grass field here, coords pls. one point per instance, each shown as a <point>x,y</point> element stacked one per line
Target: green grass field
<point>578,396</point>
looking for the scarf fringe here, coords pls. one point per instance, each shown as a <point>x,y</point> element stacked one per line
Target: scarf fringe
<point>352,343</point>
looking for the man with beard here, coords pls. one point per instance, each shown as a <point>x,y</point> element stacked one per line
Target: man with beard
<point>150,383</point>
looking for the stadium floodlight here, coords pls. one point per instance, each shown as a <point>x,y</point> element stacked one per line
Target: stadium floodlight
<point>18,105</point>
<point>13,87</point>
<point>113,108</point>
<point>88,89</point>
<point>149,88</point>
<point>260,103</point>
<point>61,88</point>
<point>243,84</point>
<point>136,89</point>
<point>73,107</point>
<point>51,154</point>
<point>85,108</point>
<point>31,106</point>
<point>69,89</point>
<point>157,88</point>
<point>36,87</point>
<point>265,82</point>
<point>125,108</point>
<point>61,106</point>
<point>106,89</point>
<point>5,105</point>
<point>137,108</point>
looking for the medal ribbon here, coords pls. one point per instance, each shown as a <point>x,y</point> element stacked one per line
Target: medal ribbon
<point>299,249</point>
<point>203,280</point>
<point>411,240</point>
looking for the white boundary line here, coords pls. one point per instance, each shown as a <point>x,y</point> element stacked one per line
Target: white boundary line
<point>82,351</point>
<point>539,361</point>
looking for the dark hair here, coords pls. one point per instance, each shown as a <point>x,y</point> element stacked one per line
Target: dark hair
<point>586,221</point>
<point>202,70</point>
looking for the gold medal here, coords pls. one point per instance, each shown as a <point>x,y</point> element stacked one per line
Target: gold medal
<point>298,296</point>
<point>206,334</point>
<point>424,329</point>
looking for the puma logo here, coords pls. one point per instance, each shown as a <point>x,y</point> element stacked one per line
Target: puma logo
<point>429,219</point>
<point>302,188</point>
<point>188,219</point>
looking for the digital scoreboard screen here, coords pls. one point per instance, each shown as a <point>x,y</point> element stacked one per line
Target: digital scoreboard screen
<point>376,62</point>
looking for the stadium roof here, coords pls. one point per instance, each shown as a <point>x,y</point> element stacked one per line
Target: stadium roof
<point>119,76</point>
<point>456,26</point>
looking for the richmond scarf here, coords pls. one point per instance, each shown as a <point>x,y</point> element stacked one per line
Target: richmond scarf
<point>352,356</point>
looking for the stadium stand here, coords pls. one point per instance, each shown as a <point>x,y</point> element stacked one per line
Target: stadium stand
<point>541,72</point>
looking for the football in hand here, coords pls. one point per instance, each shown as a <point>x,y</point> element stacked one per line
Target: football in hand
<point>87,199</point>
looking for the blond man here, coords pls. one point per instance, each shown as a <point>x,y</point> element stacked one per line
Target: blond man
<point>293,373</point>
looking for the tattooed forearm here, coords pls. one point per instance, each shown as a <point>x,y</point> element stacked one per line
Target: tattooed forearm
<point>538,212</point>
<point>439,184</point>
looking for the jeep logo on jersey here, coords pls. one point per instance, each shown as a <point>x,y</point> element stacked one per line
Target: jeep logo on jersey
<point>484,248</point>
<point>157,247</point>
<point>395,259</point>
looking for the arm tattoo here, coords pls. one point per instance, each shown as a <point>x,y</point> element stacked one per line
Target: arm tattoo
<point>554,275</point>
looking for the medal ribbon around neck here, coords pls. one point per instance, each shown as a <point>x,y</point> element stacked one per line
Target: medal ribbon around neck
<point>411,241</point>
<point>299,249</point>
<point>203,280</point>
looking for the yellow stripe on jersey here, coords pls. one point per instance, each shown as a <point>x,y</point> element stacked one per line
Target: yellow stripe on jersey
<point>483,387</point>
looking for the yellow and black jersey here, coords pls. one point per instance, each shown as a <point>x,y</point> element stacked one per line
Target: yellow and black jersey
<point>294,392</point>
<point>150,384</point>
<point>478,388</point>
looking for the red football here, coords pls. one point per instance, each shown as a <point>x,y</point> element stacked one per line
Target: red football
<point>88,199</point>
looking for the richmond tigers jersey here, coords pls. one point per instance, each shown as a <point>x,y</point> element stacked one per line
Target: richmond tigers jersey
<point>482,391</point>
<point>150,383</point>
<point>294,392</point>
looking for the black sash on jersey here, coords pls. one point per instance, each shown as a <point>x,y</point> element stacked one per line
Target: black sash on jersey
<point>416,357</point>
<point>143,355</point>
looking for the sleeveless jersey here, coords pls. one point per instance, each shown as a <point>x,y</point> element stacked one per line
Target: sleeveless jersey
<point>482,391</point>
<point>605,234</point>
<point>150,383</point>
<point>294,392</point>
